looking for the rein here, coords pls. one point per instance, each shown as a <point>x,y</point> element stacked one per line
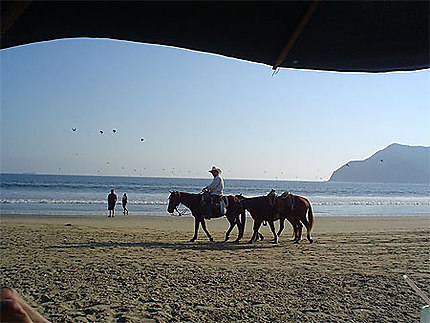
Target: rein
<point>185,212</point>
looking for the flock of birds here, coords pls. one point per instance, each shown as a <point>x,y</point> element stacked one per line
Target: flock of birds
<point>114,131</point>
<point>102,132</point>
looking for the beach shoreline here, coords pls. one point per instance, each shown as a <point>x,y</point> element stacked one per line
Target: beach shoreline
<point>131,269</point>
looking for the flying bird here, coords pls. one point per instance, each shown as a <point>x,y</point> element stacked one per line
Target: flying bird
<point>101,132</point>
<point>73,129</point>
<point>114,130</point>
<point>142,139</point>
<point>382,160</point>
<point>347,164</point>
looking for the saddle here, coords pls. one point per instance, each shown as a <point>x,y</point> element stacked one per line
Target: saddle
<point>290,198</point>
<point>219,206</point>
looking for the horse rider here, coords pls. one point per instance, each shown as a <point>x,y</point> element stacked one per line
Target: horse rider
<point>215,190</point>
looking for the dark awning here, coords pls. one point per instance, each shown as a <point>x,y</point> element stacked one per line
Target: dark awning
<point>365,36</point>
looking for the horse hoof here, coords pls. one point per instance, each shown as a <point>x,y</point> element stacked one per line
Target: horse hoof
<point>211,239</point>
<point>236,241</point>
<point>295,241</point>
<point>311,241</point>
<point>250,241</point>
<point>192,240</point>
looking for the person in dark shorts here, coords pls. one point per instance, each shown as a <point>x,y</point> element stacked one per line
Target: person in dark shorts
<point>124,204</point>
<point>112,198</point>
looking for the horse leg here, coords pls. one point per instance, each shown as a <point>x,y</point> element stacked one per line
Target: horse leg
<point>298,234</point>
<point>281,226</point>
<point>206,230</point>
<point>295,226</point>
<point>240,228</point>
<point>257,224</point>
<point>240,225</point>
<point>196,229</point>
<point>232,224</point>
<point>272,227</point>
<point>308,231</point>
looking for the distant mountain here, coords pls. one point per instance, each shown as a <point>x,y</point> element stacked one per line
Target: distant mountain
<point>394,164</point>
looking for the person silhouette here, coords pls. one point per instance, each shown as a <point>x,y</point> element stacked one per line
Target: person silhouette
<point>112,198</point>
<point>124,204</point>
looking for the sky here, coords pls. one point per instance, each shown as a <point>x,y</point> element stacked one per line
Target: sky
<point>195,110</point>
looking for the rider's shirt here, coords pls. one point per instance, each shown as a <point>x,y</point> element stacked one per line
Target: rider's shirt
<point>217,186</point>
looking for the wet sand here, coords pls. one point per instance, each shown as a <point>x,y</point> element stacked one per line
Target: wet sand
<point>127,269</point>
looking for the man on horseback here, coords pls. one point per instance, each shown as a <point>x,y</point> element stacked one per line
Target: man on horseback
<point>215,190</point>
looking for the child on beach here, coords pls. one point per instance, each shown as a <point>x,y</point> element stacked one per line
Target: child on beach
<point>124,204</point>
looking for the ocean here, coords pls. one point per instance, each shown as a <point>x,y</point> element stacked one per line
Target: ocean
<point>69,195</point>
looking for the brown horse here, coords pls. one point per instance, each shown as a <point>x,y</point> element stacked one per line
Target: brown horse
<point>194,203</point>
<point>261,208</point>
<point>294,209</point>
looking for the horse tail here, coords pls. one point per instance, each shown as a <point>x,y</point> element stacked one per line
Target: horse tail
<point>310,217</point>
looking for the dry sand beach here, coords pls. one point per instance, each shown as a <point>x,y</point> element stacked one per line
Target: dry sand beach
<point>145,270</point>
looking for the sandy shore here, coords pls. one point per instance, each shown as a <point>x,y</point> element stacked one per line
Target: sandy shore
<point>145,270</point>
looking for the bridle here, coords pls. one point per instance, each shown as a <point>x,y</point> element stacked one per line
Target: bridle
<point>176,207</point>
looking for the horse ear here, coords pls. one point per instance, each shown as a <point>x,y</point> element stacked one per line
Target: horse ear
<point>170,192</point>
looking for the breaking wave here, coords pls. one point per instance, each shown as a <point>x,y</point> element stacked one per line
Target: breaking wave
<point>74,202</point>
<point>317,201</point>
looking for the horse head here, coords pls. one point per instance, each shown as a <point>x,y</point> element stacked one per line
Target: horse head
<point>174,201</point>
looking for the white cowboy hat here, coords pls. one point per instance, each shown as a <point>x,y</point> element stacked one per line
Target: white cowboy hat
<point>215,169</point>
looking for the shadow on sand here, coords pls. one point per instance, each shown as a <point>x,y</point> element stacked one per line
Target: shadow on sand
<point>215,246</point>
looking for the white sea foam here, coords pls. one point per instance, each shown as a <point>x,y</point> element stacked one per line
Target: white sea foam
<point>74,202</point>
<point>327,200</point>
<point>315,201</point>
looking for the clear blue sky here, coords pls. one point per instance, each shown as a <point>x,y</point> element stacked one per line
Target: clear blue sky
<point>195,110</point>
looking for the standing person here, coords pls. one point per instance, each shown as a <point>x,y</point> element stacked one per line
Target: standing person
<point>124,204</point>
<point>215,190</point>
<point>111,203</point>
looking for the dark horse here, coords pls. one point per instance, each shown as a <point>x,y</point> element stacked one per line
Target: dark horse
<point>194,203</point>
<point>261,208</point>
<point>294,209</point>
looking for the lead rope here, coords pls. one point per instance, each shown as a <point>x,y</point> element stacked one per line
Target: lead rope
<point>179,213</point>
<point>182,213</point>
